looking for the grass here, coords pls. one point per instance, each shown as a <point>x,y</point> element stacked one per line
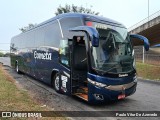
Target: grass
<point>148,71</point>
<point>12,98</point>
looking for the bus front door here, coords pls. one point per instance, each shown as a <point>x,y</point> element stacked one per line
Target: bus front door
<point>82,35</point>
<point>79,67</point>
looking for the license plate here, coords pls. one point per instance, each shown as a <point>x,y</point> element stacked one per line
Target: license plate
<point>121,96</point>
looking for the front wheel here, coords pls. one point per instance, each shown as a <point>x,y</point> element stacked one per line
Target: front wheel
<point>55,82</point>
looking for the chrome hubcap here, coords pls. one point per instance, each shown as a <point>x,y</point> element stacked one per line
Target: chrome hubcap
<point>57,83</point>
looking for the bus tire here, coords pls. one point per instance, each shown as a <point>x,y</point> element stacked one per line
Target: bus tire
<point>55,82</point>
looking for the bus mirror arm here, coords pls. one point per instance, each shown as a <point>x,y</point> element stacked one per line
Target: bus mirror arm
<point>92,32</point>
<point>91,49</point>
<point>142,38</point>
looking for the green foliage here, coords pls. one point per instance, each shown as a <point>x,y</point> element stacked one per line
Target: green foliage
<point>74,9</point>
<point>7,54</point>
<point>148,71</point>
<point>1,54</point>
<point>66,9</point>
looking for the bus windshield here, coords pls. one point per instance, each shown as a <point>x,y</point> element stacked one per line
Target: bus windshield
<point>114,53</point>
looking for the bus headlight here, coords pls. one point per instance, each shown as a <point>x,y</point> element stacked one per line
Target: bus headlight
<point>98,84</point>
<point>134,63</point>
<point>135,79</point>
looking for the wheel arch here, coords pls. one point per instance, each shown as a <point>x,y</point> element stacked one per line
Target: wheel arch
<point>16,62</point>
<point>53,73</point>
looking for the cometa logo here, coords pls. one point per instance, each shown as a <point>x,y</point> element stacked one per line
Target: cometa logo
<point>123,75</point>
<point>43,56</point>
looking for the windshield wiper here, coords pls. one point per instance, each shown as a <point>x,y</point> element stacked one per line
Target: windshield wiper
<point>112,67</point>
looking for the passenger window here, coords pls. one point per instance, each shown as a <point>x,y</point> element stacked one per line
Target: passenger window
<point>69,22</point>
<point>52,35</point>
<point>64,52</point>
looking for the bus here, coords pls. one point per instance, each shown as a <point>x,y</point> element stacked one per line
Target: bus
<point>82,55</point>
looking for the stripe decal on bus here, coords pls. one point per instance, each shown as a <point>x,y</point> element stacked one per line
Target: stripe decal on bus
<point>60,28</point>
<point>66,74</point>
<point>54,48</point>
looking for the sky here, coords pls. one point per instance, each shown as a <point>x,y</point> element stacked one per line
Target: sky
<point>15,14</point>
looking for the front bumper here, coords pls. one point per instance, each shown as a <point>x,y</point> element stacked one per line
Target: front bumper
<point>97,94</point>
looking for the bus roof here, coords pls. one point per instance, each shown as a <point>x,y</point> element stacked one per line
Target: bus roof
<point>88,17</point>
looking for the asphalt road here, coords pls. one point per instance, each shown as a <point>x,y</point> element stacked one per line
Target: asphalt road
<point>146,98</point>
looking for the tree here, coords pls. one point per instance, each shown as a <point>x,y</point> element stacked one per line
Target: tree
<point>7,54</point>
<point>30,26</point>
<point>1,54</point>
<point>74,9</point>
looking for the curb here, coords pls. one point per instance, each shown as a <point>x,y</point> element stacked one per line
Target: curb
<point>149,81</point>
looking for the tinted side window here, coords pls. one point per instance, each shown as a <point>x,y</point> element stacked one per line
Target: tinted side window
<point>22,39</point>
<point>69,22</point>
<point>29,39</point>
<point>52,34</point>
<point>14,44</point>
<point>17,41</point>
<point>39,37</point>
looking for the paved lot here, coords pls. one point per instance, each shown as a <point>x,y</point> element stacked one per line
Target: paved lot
<point>146,98</point>
<point>5,61</point>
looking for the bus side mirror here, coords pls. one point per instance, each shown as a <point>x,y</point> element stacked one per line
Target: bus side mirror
<point>95,41</point>
<point>142,38</point>
<point>70,42</point>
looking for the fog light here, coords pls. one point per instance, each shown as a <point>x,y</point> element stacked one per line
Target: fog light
<point>98,96</point>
